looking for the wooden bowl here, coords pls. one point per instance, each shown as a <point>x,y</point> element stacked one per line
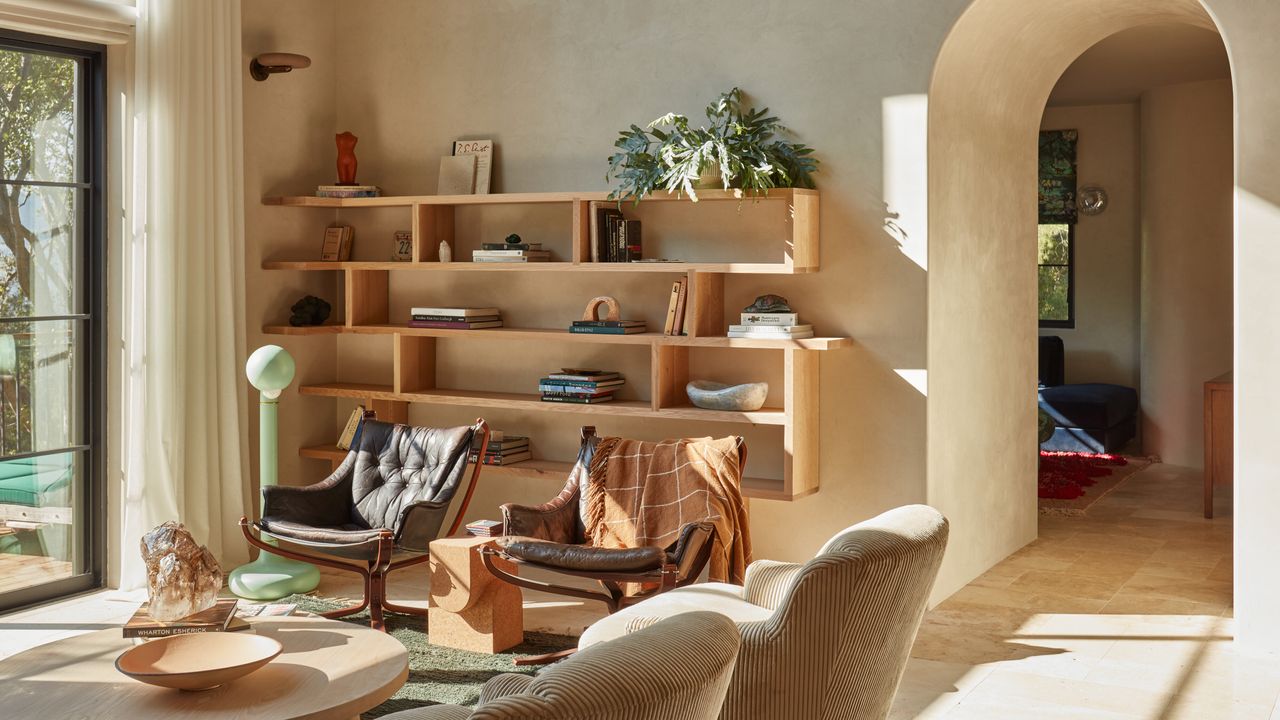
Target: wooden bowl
<point>198,661</point>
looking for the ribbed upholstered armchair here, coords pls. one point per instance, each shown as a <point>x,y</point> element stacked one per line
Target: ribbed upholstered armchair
<point>380,507</point>
<point>677,669</point>
<point>824,640</point>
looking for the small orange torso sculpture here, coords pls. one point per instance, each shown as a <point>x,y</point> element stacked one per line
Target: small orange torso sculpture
<point>346,158</point>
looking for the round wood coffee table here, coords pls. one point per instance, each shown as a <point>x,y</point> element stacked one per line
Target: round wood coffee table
<point>328,669</point>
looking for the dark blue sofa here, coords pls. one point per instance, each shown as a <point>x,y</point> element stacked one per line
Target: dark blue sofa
<point>1091,417</point>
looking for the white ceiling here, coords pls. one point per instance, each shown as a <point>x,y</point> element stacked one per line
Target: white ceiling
<point>1121,67</point>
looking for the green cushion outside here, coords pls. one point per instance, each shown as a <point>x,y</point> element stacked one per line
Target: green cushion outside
<point>25,481</point>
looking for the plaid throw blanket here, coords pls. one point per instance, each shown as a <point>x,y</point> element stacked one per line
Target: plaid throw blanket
<point>639,494</point>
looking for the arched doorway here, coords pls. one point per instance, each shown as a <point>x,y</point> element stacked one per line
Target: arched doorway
<point>982,292</point>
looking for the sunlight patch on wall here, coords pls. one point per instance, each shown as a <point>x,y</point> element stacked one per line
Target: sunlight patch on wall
<point>906,174</point>
<point>917,378</point>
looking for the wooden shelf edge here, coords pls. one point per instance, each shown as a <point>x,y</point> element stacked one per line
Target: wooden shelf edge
<point>730,268</point>
<point>778,194</point>
<point>540,334</point>
<point>517,401</point>
<point>756,488</point>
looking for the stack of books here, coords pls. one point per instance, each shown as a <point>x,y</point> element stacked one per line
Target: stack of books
<point>510,253</point>
<point>777,326</point>
<point>348,191</point>
<point>485,528</point>
<point>607,327</point>
<point>676,308</point>
<point>503,449</point>
<point>576,385</point>
<point>614,238</point>
<point>218,618</point>
<point>455,318</point>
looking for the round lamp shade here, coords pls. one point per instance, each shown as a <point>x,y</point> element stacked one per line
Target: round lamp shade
<point>270,368</point>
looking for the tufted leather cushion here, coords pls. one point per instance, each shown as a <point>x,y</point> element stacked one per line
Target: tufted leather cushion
<point>397,466</point>
<point>584,557</point>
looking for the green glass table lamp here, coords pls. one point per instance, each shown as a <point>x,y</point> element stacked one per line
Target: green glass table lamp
<point>271,577</point>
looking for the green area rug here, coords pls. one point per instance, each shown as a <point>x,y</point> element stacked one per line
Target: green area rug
<point>439,675</point>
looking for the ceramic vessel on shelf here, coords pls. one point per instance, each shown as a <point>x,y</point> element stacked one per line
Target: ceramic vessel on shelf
<point>718,396</point>
<point>198,661</point>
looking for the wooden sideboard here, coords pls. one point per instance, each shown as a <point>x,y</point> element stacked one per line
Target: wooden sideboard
<point>1217,436</point>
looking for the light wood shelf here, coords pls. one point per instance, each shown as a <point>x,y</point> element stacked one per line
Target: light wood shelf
<point>776,195</point>
<point>759,488</point>
<point>523,401</point>
<point>467,266</point>
<point>366,299</point>
<point>556,335</point>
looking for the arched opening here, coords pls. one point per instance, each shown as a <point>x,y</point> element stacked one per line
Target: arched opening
<point>982,318</point>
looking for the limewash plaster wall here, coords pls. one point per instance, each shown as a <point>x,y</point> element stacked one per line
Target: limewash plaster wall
<point>1186,261</point>
<point>551,82</point>
<point>1103,346</point>
<point>288,134</point>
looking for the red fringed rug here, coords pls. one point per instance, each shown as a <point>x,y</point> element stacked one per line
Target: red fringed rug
<point>1070,482</point>
<point>1065,475</point>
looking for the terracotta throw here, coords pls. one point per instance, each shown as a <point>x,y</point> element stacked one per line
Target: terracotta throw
<point>639,494</point>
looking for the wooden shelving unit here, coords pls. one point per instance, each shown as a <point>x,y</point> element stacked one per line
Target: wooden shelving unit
<point>366,299</point>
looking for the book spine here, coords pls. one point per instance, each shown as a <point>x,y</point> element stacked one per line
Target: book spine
<point>455,325</point>
<point>509,253</point>
<point>681,302</point>
<point>456,313</point>
<point>167,631</point>
<point>620,249</point>
<point>577,400</point>
<point>579,381</point>
<point>770,319</point>
<point>508,259</point>
<point>607,323</point>
<point>492,247</point>
<point>570,390</point>
<point>635,248</point>
<point>605,330</point>
<point>668,328</point>
<point>452,318</point>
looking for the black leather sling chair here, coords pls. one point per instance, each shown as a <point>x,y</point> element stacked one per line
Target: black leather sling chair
<point>381,507</point>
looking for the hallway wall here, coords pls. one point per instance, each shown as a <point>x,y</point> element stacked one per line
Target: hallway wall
<point>1187,216</point>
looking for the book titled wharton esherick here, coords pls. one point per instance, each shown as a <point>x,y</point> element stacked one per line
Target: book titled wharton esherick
<point>214,619</point>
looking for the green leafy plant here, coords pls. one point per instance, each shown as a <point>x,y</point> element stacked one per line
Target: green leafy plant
<point>745,148</point>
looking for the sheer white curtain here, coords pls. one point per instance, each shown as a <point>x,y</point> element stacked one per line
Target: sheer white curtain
<point>184,393</point>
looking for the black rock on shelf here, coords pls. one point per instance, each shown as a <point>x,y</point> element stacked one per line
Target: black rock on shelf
<point>310,310</point>
<point>768,304</point>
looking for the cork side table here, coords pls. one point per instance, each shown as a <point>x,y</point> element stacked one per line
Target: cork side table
<point>469,609</point>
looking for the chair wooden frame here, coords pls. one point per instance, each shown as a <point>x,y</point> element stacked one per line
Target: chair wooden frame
<point>383,563</point>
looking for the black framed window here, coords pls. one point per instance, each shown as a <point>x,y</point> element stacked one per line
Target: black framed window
<point>52,318</point>
<point>1057,275</point>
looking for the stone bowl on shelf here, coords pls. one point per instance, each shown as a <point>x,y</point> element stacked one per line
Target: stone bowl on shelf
<point>197,661</point>
<point>718,396</point>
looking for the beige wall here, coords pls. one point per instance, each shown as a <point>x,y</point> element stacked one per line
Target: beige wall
<point>1186,261</point>
<point>288,134</point>
<point>1103,346</point>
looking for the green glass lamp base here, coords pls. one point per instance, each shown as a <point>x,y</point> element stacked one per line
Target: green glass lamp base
<point>272,577</point>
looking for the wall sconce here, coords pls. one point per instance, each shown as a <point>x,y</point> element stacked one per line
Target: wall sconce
<point>266,64</point>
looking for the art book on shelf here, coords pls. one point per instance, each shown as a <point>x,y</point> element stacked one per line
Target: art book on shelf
<point>347,191</point>
<point>455,324</point>
<point>501,443</point>
<point>584,375</point>
<point>510,246</point>
<point>590,400</point>
<point>457,312</point>
<point>509,252</point>
<point>766,319</point>
<point>604,330</point>
<point>214,619</point>
<point>609,323</point>
<point>337,243</point>
<point>454,318</point>
<point>483,152</point>
<point>682,301</point>
<point>765,330</point>
<point>351,431</point>
<point>668,327</point>
<point>503,458</point>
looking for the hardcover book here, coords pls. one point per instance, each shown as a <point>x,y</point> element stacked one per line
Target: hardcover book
<point>771,329</point>
<point>681,303</point>
<point>668,328</point>
<point>573,389</point>
<point>455,318</point>
<point>511,259</point>
<point>770,336</point>
<point>503,459</point>
<point>510,246</point>
<point>608,323</point>
<point>580,383</point>
<point>457,175</point>
<point>634,246</point>
<point>337,243</point>
<point>583,375</point>
<point>482,151</point>
<point>578,400</point>
<point>455,324</point>
<point>214,619</point>
<point>351,429</point>
<point>455,312</point>
<point>588,330</point>
<point>769,319</point>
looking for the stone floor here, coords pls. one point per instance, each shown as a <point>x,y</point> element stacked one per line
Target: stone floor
<point>1125,613</point>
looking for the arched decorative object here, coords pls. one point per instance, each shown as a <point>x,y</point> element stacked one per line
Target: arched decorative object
<point>593,308</point>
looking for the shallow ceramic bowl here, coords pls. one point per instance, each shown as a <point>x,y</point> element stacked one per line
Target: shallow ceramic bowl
<point>718,396</point>
<point>198,661</point>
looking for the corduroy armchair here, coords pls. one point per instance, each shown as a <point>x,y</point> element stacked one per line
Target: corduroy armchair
<point>677,669</point>
<point>824,640</point>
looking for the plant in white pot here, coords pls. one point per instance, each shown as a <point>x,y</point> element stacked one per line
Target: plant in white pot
<point>739,150</point>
